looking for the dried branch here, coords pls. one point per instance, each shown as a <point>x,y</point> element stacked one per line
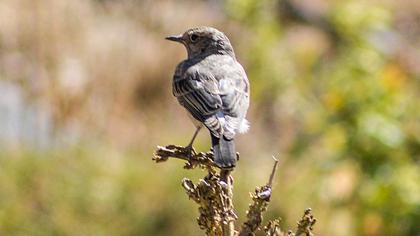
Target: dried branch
<point>213,193</point>
<point>273,228</point>
<point>273,172</point>
<point>304,226</point>
<point>201,159</point>
<point>260,199</point>
<point>229,222</point>
<point>214,196</point>
<point>215,204</point>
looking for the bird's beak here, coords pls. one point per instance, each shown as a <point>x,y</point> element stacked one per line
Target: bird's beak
<point>175,38</point>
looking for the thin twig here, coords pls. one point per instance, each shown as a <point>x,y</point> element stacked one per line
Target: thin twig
<point>273,172</point>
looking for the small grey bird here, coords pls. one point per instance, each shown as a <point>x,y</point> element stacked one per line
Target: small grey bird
<point>213,87</point>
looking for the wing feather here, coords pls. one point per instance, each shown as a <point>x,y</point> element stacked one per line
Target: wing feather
<point>218,98</point>
<point>197,93</point>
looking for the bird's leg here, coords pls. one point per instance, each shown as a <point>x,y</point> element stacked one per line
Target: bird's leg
<point>189,147</point>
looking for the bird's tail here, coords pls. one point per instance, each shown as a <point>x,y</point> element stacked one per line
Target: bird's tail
<point>224,152</point>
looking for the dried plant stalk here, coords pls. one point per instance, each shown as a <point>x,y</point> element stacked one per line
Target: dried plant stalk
<point>202,159</point>
<point>213,193</point>
<point>304,225</point>
<point>273,228</point>
<point>214,196</point>
<point>260,198</point>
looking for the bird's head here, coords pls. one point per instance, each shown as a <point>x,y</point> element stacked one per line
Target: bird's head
<point>202,41</point>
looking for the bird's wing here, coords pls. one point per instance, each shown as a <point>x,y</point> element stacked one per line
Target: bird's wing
<point>234,96</point>
<point>198,93</point>
<point>234,90</point>
<point>219,99</point>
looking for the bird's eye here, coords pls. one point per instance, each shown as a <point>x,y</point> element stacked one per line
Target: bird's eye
<point>193,38</point>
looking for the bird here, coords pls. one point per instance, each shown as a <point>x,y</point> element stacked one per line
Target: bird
<point>214,89</point>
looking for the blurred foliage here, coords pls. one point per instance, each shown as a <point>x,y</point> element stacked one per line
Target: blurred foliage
<point>335,91</point>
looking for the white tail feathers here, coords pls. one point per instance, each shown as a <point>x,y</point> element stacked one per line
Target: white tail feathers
<point>243,126</point>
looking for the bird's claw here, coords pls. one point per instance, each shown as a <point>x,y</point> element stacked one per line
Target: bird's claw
<point>189,150</point>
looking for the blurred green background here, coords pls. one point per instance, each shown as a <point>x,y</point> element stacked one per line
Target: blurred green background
<point>86,97</point>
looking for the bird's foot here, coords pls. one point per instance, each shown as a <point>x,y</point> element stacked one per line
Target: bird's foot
<point>190,151</point>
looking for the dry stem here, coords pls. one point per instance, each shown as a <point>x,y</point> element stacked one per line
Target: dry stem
<point>260,199</point>
<point>214,196</point>
<point>202,159</point>
<point>213,193</point>
<point>304,226</point>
